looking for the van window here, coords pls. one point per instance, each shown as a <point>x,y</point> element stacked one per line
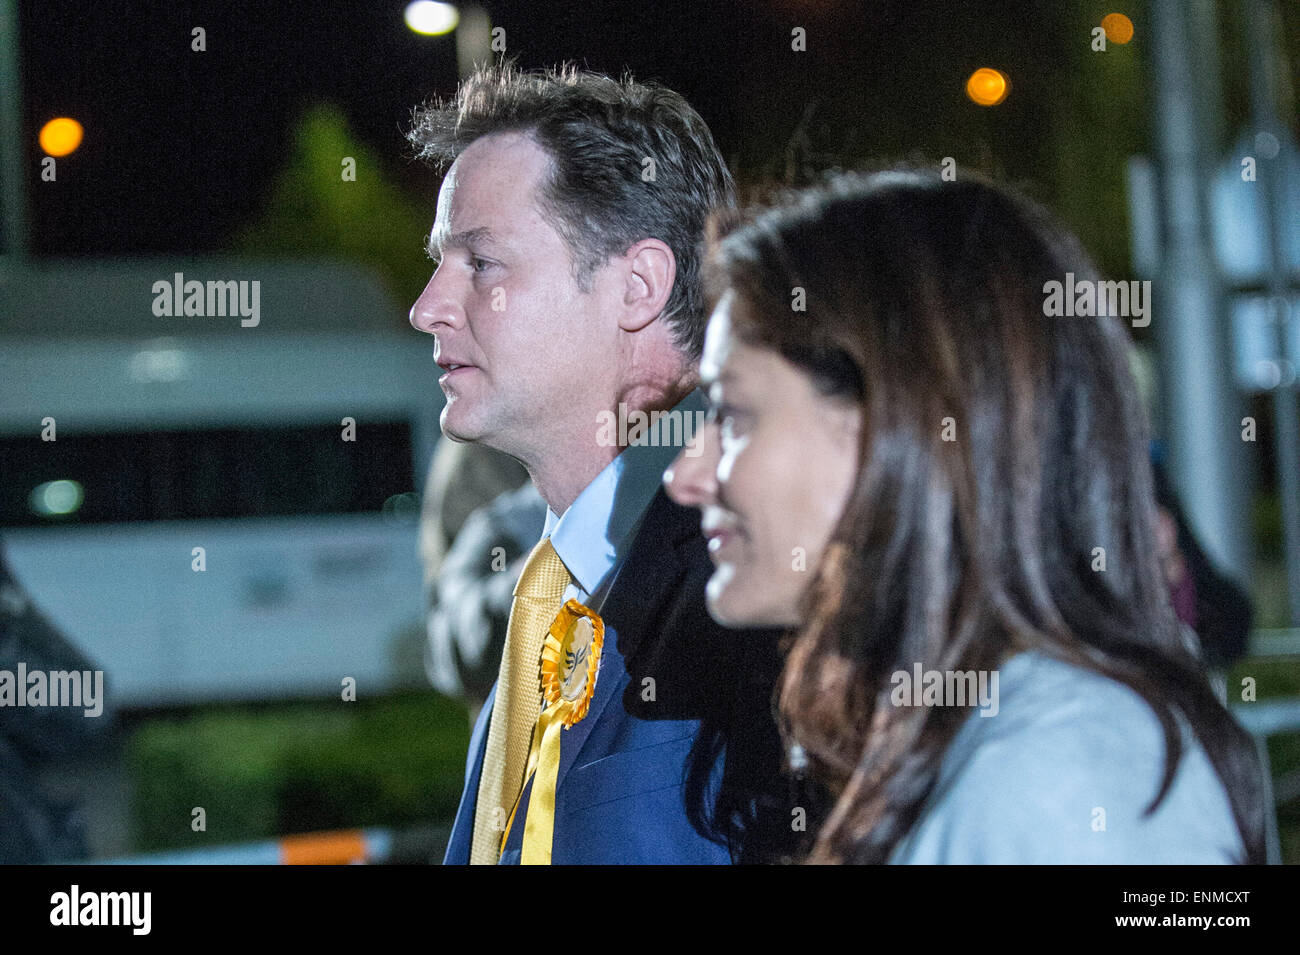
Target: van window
<point>208,473</point>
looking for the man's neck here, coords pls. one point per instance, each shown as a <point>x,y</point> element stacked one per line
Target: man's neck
<point>561,481</point>
<point>567,467</point>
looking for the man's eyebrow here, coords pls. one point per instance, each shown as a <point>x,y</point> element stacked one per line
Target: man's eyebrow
<point>458,240</point>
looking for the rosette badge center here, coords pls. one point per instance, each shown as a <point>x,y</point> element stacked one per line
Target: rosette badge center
<point>581,653</point>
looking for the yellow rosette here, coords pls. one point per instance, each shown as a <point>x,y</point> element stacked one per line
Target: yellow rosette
<point>570,664</point>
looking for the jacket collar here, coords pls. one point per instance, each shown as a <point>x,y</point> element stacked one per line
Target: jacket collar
<point>634,606</point>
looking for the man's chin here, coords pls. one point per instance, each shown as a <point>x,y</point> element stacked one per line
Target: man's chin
<point>455,427</point>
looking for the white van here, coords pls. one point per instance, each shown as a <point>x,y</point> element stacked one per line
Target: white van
<point>213,511</point>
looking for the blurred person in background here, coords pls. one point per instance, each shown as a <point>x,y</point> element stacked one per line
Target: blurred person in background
<point>462,478</point>
<point>1216,612</point>
<point>1208,603</point>
<point>38,824</point>
<point>965,462</point>
<point>479,519</point>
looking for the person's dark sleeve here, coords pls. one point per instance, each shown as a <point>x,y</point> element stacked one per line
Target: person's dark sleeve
<point>42,732</point>
<point>1223,614</point>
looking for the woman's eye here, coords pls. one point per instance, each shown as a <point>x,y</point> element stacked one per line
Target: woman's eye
<point>729,421</point>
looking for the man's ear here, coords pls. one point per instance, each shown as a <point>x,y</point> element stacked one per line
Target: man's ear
<point>650,270</point>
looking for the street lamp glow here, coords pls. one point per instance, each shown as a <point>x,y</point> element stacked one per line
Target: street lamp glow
<point>431,18</point>
<point>1119,28</point>
<point>988,87</point>
<point>60,136</point>
<point>56,497</point>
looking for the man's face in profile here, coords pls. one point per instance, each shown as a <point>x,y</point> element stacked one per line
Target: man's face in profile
<point>504,304</point>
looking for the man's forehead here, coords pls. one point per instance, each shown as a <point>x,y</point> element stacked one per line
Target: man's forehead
<point>493,179</point>
<point>500,159</point>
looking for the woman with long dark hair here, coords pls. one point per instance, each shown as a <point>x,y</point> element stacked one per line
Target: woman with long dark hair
<point>945,495</point>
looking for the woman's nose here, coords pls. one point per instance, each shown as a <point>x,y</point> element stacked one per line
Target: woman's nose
<point>692,478</point>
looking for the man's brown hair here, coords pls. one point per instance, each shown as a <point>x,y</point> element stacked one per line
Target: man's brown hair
<point>629,161</point>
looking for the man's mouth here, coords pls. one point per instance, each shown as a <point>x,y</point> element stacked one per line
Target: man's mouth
<point>453,368</point>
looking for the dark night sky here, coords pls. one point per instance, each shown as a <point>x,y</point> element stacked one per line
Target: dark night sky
<point>181,147</point>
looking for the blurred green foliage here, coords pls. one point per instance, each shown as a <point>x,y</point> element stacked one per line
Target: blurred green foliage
<point>1277,678</point>
<point>314,211</point>
<point>260,772</point>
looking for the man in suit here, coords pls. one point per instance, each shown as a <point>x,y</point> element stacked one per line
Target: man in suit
<point>567,295</point>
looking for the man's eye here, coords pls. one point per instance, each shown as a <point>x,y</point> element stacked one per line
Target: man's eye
<point>479,265</point>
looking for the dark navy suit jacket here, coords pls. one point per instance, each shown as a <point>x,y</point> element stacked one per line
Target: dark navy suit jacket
<point>678,759</point>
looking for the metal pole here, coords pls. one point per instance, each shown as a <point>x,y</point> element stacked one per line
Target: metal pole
<point>1271,174</point>
<point>13,178</point>
<point>473,39</point>
<point>1206,454</point>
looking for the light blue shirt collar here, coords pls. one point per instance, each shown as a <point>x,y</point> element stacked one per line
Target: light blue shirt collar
<point>592,536</point>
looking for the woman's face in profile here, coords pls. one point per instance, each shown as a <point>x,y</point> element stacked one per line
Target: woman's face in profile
<point>771,472</point>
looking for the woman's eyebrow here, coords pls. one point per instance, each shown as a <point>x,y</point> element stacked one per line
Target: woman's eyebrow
<point>724,377</point>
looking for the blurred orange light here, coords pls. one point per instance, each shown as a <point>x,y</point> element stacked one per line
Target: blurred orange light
<point>988,87</point>
<point>1119,28</point>
<point>61,136</point>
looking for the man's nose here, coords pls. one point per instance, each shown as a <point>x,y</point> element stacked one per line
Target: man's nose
<point>437,306</point>
<point>692,478</point>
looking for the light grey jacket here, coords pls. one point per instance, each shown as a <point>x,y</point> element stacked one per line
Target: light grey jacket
<point>1062,775</point>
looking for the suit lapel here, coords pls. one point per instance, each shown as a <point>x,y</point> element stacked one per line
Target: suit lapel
<point>633,607</point>
<point>462,830</point>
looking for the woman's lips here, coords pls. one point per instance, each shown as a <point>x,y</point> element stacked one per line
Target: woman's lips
<point>719,539</point>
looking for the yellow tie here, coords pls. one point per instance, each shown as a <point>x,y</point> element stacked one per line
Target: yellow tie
<point>539,595</point>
